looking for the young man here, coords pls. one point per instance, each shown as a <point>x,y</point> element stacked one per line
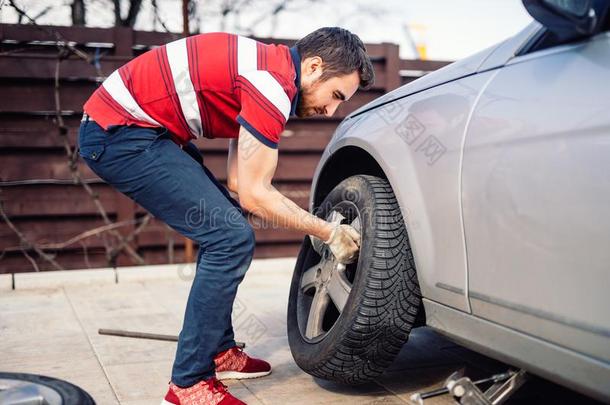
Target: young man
<point>136,135</point>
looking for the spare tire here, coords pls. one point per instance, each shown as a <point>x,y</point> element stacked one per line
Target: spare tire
<point>21,388</point>
<point>347,323</point>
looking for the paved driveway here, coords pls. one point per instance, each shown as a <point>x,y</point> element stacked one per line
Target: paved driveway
<point>49,324</point>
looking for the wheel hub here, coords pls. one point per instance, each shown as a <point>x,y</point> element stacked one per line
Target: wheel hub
<point>329,281</point>
<point>328,267</point>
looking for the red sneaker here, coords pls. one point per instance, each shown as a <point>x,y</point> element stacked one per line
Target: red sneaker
<point>206,392</point>
<point>235,364</point>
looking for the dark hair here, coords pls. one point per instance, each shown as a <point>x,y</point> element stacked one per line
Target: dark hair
<point>341,51</point>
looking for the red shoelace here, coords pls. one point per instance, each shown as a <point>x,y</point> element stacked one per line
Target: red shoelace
<point>216,385</point>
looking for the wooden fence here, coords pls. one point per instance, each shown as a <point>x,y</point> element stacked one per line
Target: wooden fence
<point>37,192</point>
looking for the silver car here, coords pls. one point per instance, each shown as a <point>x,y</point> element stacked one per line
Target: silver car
<point>482,192</point>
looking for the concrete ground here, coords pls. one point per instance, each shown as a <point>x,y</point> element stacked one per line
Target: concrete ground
<point>49,325</point>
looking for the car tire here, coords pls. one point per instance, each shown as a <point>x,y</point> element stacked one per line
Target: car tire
<point>356,343</point>
<point>13,387</point>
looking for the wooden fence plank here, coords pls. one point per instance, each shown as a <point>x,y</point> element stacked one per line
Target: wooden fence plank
<point>27,95</point>
<point>31,149</point>
<point>21,166</point>
<point>30,133</point>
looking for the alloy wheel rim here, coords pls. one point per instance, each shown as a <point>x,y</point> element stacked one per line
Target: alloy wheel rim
<point>16,391</point>
<point>327,282</point>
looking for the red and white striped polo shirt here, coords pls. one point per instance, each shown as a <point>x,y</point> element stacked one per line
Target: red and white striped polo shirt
<point>204,85</point>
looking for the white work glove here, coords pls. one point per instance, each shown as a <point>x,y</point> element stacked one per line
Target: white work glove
<point>344,243</point>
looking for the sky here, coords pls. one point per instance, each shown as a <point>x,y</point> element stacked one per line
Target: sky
<point>449,29</point>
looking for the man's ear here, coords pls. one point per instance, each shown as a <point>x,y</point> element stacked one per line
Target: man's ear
<point>313,65</point>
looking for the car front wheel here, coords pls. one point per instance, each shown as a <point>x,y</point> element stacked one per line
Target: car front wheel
<point>348,322</point>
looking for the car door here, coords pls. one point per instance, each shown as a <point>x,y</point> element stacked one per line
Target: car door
<point>536,196</point>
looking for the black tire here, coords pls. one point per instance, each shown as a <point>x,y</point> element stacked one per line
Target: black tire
<point>69,393</point>
<point>384,300</point>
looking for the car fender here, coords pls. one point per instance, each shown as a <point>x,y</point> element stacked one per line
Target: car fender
<point>411,204</point>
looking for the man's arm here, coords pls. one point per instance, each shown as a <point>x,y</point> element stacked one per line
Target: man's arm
<point>256,164</point>
<point>232,166</point>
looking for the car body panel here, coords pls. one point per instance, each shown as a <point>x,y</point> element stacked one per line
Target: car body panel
<point>453,71</point>
<point>509,48</point>
<point>487,59</point>
<point>536,192</point>
<point>506,208</point>
<point>538,356</point>
<point>417,141</point>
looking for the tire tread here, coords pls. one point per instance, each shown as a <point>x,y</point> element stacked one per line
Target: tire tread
<point>389,307</point>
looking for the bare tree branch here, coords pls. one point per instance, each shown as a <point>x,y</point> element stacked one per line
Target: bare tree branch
<point>78,10</point>
<point>65,49</point>
<point>43,12</point>
<point>54,33</point>
<point>85,254</point>
<point>31,260</point>
<point>125,242</point>
<point>132,13</point>
<point>157,17</point>
<point>26,243</point>
<point>134,9</point>
<point>72,165</point>
<point>87,234</point>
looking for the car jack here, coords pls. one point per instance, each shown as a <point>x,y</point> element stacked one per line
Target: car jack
<point>467,392</point>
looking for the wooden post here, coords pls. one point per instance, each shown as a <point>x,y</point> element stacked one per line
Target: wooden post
<point>123,41</point>
<point>185,18</point>
<point>189,256</point>
<point>392,66</point>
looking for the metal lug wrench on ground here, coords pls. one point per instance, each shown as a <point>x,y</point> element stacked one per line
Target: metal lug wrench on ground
<point>142,335</point>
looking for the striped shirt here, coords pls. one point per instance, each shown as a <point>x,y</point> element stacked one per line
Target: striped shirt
<point>204,85</point>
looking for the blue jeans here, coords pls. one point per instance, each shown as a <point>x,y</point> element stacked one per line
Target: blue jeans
<point>174,186</point>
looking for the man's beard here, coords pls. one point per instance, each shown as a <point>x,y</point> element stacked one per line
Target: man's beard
<point>303,108</point>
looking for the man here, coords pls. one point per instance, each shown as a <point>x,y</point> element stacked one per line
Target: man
<point>136,135</point>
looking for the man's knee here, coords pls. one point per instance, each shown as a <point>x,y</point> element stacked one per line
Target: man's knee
<point>244,239</point>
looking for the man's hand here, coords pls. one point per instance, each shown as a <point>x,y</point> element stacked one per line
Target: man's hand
<point>344,242</point>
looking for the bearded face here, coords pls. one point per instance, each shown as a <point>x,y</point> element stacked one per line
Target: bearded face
<point>305,106</point>
<point>322,97</point>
